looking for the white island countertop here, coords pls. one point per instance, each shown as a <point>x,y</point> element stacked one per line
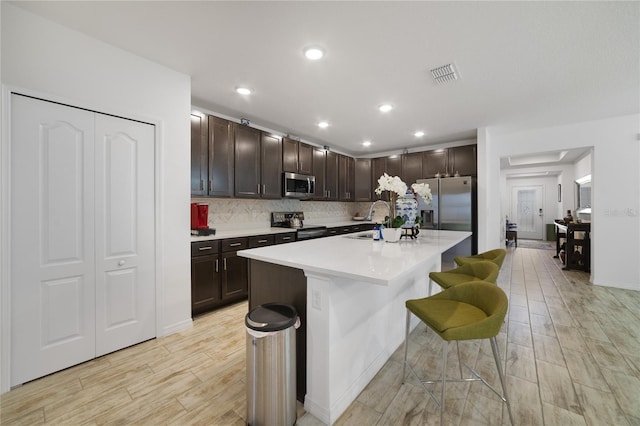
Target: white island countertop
<point>376,262</point>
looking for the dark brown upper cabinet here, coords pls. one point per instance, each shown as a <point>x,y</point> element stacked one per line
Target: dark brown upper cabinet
<point>381,165</point>
<point>248,167</point>
<point>411,167</point>
<point>221,141</point>
<point>362,184</point>
<point>331,176</point>
<point>199,154</point>
<point>434,162</point>
<point>393,165</point>
<point>211,156</point>
<point>271,177</point>
<point>319,171</point>
<point>462,160</point>
<point>378,168</point>
<point>346,178</point>
<point>258,164</point>
<point>297,157</point>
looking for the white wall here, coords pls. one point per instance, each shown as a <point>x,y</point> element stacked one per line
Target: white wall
<point>582,167</point>
<point>616,198</point>
<point>46,58</point>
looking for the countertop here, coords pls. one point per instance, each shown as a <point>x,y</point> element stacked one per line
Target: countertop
<point>376,262</point>
<point>249,232</point>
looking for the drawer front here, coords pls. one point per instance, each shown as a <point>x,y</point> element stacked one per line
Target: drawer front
<point>333,231</point>
<point>203,248</point>
<point>261,241</point>
<point>233,244</point>
<point>285,238</point>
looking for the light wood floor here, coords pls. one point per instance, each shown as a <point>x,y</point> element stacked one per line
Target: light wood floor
<point>571,352</point>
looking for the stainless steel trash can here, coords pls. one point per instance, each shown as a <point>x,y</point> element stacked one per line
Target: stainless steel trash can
<point>271,365</point>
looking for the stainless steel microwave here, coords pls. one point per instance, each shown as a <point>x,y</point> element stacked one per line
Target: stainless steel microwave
<point>295,185</point>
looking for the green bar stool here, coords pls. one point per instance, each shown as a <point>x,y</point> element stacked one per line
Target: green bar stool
<point>484,270</point>
<point>496,256</point>
<point>469,311</point>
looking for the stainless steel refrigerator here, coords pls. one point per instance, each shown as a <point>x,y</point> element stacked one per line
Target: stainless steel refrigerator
<point>453,207</point>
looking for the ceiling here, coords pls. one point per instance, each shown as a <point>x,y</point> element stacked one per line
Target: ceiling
<point>541,163</point>
<point>519,63</point>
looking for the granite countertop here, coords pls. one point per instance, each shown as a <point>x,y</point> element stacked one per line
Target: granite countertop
<point>376,262</point>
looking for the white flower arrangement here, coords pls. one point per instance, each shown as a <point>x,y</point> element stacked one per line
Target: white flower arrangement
<point>398,188</point>
<point>422,190</point>
<point>396,185</point>
<point>391,184</point>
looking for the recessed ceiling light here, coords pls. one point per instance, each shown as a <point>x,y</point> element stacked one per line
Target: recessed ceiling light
<point>323,124</point>
<point>243,90</point>
<point>366,143</point>
<point>385,107</point>
<point>419,134</point>
<point>313,53</point>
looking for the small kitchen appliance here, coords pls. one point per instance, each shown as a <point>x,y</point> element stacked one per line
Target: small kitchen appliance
<point>200,220</point>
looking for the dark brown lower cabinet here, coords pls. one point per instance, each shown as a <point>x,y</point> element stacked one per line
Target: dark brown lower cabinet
<point>235,283</point>
<point>205,283</point>
<point>205,276</point>
<point>218,275</point>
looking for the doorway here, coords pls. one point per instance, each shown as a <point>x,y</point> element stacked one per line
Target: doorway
<point>526,209</point>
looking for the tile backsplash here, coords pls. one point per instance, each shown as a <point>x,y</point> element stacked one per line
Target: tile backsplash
<point>232,213</point>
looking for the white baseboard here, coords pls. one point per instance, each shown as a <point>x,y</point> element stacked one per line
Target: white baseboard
<point>179,326</point>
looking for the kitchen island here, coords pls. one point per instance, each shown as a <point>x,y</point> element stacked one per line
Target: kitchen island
<point>350,293</point>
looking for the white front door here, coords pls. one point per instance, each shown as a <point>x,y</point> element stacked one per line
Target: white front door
<point>81,202</point>
<point>526,211</point>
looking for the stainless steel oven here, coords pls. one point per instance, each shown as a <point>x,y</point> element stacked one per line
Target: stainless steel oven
<point>294,220</point>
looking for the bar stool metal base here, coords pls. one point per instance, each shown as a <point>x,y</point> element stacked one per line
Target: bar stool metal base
<point>443,380</point>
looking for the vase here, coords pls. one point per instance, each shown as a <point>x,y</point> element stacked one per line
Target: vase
<point>391,235</point>
<point>407,208</point>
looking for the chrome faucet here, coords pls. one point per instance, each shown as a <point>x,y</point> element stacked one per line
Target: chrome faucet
<point>373,204</point>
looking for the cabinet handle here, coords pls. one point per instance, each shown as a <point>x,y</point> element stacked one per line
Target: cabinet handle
<point>264,188</point>
<point>216,265</point>
<point>201,184</point>
<point>205,248</point>
<point>262,241</point>
<point>224,263</point>
<point>210,186</point>
<point>258,188</point>
<point>235,244</point>
<point>286,238</point>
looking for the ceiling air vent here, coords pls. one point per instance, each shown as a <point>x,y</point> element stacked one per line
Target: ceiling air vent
<point>444,74</point>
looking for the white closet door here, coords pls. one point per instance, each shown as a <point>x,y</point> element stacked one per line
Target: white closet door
<point>52,241</point>
<point>125,276</point>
